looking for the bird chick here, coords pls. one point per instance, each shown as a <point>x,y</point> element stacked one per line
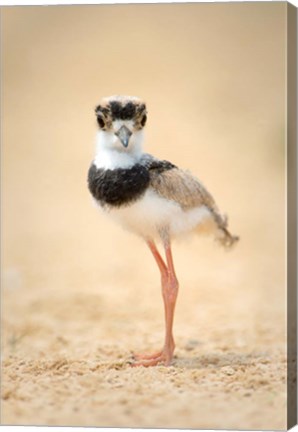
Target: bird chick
<point>150,197</point>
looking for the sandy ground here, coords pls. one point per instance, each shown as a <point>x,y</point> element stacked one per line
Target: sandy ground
<point>79,295</point>
<point>68,343</point>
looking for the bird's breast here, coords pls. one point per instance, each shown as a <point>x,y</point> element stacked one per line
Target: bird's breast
<point>149,215</point>
<point>118,187</point>
<point>126,196</point>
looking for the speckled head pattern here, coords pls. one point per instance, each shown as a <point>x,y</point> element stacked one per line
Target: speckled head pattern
<point>115,108</point>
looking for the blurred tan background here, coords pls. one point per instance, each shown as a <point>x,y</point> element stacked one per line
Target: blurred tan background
<point>78,293</point>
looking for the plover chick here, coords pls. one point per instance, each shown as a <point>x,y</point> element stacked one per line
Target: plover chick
<point>150,197</point>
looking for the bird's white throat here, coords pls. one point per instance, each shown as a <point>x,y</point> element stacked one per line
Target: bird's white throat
<point>111,154</point>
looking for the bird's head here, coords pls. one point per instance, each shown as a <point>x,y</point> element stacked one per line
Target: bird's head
<point>121,120</point>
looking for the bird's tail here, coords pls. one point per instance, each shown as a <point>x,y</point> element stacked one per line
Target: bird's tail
<point>223,235</point>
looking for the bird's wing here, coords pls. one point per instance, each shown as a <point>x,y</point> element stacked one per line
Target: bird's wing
<point>180,186</point>
<point>177,185</point>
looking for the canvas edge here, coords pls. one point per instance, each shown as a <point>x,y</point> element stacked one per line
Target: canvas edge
<point>291,90</point>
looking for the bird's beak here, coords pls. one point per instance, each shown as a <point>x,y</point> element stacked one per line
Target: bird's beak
<point>124,134</point>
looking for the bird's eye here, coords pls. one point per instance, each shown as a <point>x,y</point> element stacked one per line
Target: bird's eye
<point>144,119</point>
<point>101,122</point>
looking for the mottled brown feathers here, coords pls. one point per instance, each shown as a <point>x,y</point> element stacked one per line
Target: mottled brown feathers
<point>180,186</point>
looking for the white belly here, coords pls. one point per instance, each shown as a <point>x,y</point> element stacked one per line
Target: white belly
<point>151,213</point>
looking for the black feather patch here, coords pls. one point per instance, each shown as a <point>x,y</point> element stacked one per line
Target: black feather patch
<point>119,186</point>
<point>120,112</point>
<point>123,186</point>
<point>159,166</point>
<point>156,165</point>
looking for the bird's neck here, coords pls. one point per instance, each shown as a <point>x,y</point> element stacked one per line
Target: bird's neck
<point>111,154</point>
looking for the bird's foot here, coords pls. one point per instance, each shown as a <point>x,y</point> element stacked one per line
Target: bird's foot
<point>165,356</point>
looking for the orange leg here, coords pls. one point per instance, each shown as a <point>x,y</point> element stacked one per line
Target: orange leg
<point>170,286</point>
